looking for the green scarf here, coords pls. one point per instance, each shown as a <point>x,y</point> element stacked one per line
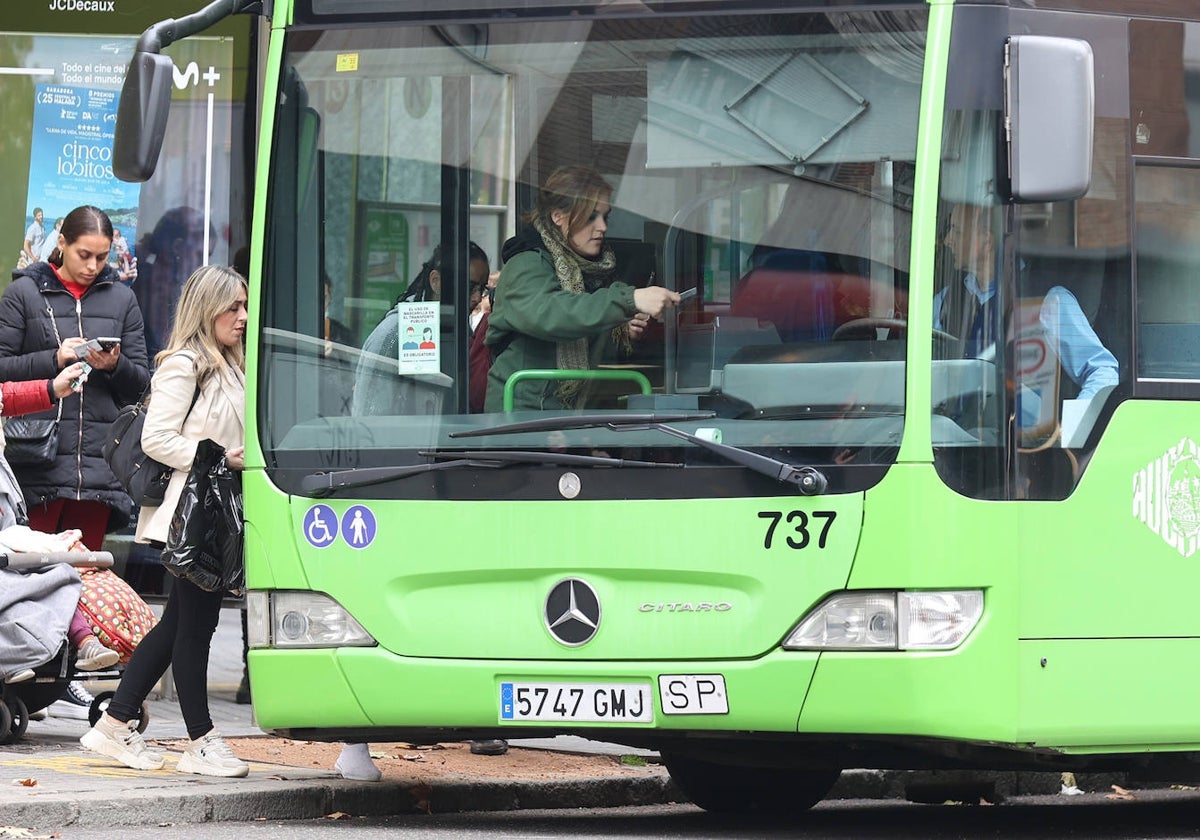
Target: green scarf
<point>577,275</point>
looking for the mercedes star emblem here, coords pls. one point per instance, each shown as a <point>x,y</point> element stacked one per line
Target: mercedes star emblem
<point>572,612</point>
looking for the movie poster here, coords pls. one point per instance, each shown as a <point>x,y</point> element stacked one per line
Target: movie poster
<point>71,162</point>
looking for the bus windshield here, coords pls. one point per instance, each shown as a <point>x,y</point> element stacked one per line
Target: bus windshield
<point>761,165</point>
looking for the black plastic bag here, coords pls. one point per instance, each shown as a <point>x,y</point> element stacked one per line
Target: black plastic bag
<point>204,542</point>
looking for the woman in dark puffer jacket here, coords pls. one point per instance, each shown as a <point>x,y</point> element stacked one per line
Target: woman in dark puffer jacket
<point>50,309</point>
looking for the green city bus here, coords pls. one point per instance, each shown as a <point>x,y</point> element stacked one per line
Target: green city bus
<point>908,482</point>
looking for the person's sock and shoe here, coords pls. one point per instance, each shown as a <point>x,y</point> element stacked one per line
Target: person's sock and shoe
<point>92,655</point>
<point>355,763</point>
<point>75,703</point>
<point>209,755</point>
<point>122,742</point>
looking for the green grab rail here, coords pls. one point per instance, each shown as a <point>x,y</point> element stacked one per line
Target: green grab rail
<point>601,375</point>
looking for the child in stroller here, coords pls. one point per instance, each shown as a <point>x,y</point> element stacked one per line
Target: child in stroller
<point>44,637</point>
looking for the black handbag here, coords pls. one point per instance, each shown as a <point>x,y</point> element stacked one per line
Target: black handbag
<point>31,441</point>
<point>144,479</point>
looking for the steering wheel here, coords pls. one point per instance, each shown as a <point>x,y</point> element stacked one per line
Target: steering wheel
<point>864,328</point>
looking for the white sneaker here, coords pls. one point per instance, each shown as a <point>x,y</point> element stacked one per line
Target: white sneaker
<point>209,755</point>
<point>123,742</point>
<point>75,704</point>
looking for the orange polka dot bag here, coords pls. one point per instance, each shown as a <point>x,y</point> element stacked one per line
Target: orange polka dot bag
<point>116,613</point>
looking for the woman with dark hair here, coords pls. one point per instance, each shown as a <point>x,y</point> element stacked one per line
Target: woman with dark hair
<point>557,305</point>
<point>427,285</point>
<point>377,389</point>
<point>47,314</point>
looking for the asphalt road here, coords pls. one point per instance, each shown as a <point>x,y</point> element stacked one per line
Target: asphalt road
<point>1153,815</point>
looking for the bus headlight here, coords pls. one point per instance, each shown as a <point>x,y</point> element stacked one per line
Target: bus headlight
<point>285,619</point>
<point>889,621</point>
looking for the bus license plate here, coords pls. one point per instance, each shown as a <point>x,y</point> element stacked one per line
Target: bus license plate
<point>693,694</point>
<point>593,702</point>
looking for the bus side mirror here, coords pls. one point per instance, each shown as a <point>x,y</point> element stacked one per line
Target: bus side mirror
<point>1050,103</point>
<point>142,116</point>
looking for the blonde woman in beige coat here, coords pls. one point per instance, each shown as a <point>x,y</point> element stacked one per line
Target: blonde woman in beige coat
<point>205,351</point>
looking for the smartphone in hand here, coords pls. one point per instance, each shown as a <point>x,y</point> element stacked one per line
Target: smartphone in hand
<point>96,345</point>
<point>687,294</point>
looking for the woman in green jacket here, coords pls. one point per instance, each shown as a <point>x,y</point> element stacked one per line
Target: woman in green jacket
<point>557,306</point>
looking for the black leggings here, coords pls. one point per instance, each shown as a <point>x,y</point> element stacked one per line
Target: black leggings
<point>181,639</point>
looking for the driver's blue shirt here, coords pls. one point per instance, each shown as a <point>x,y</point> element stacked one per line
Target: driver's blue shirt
<point>1085,359</point>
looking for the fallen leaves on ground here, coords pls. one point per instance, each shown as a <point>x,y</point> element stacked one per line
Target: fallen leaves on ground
<point>423,798</point>
<point>438,761</point>
<point>1119,793</point>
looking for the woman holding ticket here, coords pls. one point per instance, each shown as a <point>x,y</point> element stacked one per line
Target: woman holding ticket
<point>54,315</point>
<point>557,305</point>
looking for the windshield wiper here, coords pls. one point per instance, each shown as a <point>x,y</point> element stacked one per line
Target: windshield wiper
<point>587,421</point>
<point>521,456</point>
<point>324,484</point>
<point>808,480</point>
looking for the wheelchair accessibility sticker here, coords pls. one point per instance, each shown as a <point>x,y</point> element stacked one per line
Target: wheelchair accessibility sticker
<point>358,526</point>
<point>320,526</point>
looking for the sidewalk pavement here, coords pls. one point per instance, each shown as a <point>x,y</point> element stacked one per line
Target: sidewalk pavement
<point>72,787</point>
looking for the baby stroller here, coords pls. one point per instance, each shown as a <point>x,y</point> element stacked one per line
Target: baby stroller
<point>52,677</point>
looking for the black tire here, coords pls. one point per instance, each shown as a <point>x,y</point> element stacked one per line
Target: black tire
<point>20,718</point>
<point>5,723</point>
<point>732,789</point>
<point>143,718</point>
<point>101,703</point>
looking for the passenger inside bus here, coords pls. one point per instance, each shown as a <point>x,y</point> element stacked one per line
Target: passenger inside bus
<point>558,306</point>
<point>378,389</point>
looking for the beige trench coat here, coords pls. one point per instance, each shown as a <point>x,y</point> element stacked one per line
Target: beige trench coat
<point>171,433</point>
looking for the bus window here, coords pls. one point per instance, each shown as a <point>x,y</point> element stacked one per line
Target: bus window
<point>789,215</point>
<point>1028,337</point>
<point>1168,273</point>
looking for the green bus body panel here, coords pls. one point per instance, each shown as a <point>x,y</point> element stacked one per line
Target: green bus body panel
<point>918,534</point>
<point>470,580</point>
<point>1109,695</point>
<point>1090,567</point>
<point>359,688</point>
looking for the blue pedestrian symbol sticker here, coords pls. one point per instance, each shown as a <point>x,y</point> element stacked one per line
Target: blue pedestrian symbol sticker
<point>358,526</point>
<point>320,526</point>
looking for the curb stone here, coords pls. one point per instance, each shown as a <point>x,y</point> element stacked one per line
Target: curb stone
<point>249,800</point>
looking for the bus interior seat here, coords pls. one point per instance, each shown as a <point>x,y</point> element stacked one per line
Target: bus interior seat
<point>807,295</point>
<point>1100,284</point>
